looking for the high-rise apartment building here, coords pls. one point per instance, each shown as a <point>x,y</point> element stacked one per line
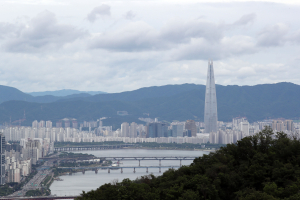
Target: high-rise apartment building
<point>33,150</point>
<point>244,127</point>
<point>2,156</point>
<point>133,130</point>
<point>157,129</point>
<point>35,124</point>
<point>278,125</point>
<point>177,130</point>
<point>210,109</point>
<point>191,125</point>
<point>67,124</point>
<point>289,124</point>
<point>41,124</point>
<point>74,124</point>
<point>125,129</point>
<point>236,122</point>
<point>59,124</point>
<point>48,124</point>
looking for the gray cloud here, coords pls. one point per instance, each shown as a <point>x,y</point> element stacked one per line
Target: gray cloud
<point>245,19</point>
<point>130,15</point>
<point>200,49</point>
<point>273,35</point>
<point>140,36</point>
<point>294,38</point>
<point>9,29</point>
<point>102,11</point>
<point>41,32</point>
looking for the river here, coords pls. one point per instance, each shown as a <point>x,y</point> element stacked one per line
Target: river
<point>76,183</point>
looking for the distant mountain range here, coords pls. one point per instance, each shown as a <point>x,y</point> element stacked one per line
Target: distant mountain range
<point>63,93</point>
<point>170,102</point>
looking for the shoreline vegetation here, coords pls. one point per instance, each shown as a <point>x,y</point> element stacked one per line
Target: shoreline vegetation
<point>260,167</point>
<point>147,145</point>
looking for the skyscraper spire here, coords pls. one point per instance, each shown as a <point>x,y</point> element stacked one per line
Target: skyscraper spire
<point>210,110</point>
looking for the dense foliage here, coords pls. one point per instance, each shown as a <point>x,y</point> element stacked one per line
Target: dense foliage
<point>75,155</point>
<point>33,193</point>
<point>6,190</point>
<point>263,166</point>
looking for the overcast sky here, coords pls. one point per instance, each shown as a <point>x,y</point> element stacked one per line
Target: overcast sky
<point>115,46</point>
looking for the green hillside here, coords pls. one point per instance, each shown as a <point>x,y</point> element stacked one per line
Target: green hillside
<point>171,102</point>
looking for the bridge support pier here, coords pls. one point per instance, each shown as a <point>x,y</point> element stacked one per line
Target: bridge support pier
<point>134,170</point>
<point>96,171</point>
<point>147,170</point>
<point>159,170</point>
<point>180,163</point>
<point>118,163</point>
<point>83,171</point>
<point>121,170</point>
<point>139,163</point>
<point>108,170</point>
<point>159,162</point>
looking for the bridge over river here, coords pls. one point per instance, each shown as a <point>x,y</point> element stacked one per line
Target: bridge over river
<point>159,158</point>
<point>83,169</point>
<point>121,158</point>
<point>91,147</point>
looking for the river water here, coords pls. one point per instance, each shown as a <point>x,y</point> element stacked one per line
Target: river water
<point>76,183</point>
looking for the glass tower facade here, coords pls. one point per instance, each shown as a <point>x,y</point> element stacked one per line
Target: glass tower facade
<point>210,110</point>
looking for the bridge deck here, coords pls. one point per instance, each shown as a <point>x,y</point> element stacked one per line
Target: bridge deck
<point>93,168</point>
<point>150,158</point>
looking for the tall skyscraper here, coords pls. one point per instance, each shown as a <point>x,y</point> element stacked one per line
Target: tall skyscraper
<point>210,109</point>
<point>2,159</point>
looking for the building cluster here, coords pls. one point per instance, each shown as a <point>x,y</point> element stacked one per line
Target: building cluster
<point>47,135</point>
<point>67,123</point>
<point>19,154</point>
<point>240,128</point>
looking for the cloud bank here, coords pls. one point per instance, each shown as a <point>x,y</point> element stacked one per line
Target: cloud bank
<point>64,48</point>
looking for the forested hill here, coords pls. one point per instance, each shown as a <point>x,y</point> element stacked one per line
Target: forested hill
<point>170,102</point>
<point>256,168</point>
